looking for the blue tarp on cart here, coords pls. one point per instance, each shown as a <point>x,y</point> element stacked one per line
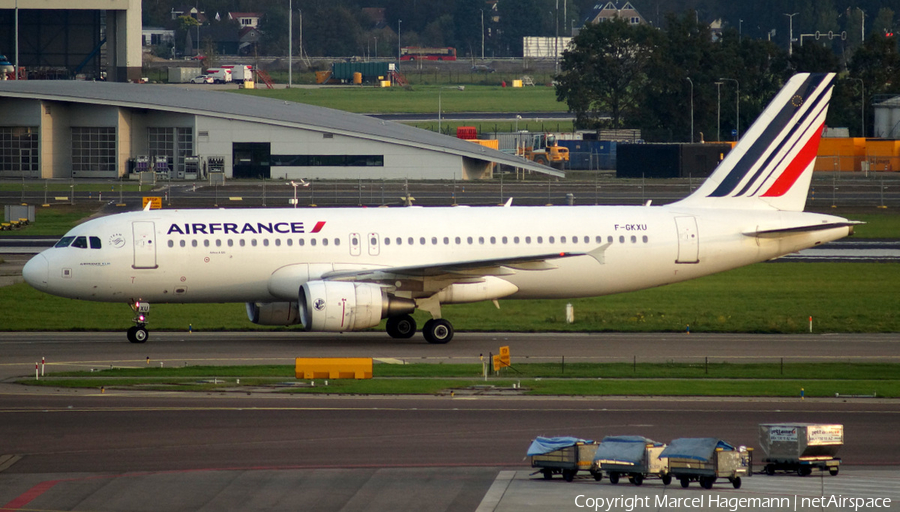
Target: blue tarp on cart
<point>629,449</point>
<point>542,445</point>
<point>696,448</point>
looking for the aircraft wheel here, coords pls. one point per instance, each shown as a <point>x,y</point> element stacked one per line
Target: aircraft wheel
<point>547,474</point>
<point>736,482</point>
<point>833,471</point>
<point>139,335</point>
<point>438,331</point>
<point>666,479</point>
<point>707,482</point>
<point>401,326</point>
<point>685,482</point>
<point>613,478</point>
<point>637,479</point>
<point>130,334</point>
<point>598,475</point>
<point>569,474</point>
<point>804,471</point>
<point>770,469</point>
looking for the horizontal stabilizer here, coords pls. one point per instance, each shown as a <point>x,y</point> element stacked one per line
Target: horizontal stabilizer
<point>778,233</point>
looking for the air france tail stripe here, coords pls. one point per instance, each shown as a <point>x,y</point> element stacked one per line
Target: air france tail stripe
<point>815,107</point>
<point>804,159</point>
<point>772,132</point>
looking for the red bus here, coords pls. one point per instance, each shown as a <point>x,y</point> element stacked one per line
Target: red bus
<point>416,53</point>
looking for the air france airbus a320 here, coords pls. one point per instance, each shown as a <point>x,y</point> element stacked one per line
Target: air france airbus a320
<point>346,269</point>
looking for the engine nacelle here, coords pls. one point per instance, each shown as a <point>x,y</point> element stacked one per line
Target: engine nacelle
<point>336,306</point>
<point>273,313</point>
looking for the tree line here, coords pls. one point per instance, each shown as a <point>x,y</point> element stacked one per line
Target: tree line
<point>619,75</point>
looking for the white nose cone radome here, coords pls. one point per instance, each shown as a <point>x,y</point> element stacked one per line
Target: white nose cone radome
<point>36,271</point>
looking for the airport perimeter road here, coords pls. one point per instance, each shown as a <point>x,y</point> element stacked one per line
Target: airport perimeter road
<point>85,350</point>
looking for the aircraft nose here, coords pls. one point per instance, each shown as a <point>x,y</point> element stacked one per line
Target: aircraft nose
<point>36,271</point>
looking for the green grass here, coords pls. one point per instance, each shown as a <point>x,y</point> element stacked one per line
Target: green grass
<point>761,298</point>
<point>55,220</point>
<point>587,379</point>
<point>421,99</point>
<point>698,370</point>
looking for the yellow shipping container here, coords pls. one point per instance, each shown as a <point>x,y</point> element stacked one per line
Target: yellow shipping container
<point>333,368</point>
<point>493,143</point>
<point>841,154</point>
<point>883,155</point>
<point>517,83</point>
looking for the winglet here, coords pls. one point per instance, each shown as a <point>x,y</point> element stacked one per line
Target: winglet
<point>147,206</point>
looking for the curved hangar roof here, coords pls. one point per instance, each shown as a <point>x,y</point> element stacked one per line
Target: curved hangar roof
<point>258,110</point>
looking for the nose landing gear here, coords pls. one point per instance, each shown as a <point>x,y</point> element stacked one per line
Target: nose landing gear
<point>138,333</point>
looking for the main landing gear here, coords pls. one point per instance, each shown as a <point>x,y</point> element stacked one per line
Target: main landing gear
<point>438,331</point>
<point>139,333</point>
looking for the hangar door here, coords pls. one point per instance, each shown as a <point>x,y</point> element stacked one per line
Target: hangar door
<point>251,159</point>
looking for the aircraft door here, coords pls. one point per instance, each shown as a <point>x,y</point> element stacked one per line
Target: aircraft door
<point>688,240</point>
<point>355,244</point>
<point>374,247</point>
<point>144,244</point>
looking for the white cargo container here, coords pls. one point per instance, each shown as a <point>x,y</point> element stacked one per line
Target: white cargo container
<point>240,73</point>
<point>183,75</point>
<point>801,447</point>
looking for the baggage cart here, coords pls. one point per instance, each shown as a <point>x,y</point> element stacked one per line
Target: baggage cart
<point>633,456</point>
<point>705,460</point>
<point>801,447</point>
<point>561,455</point>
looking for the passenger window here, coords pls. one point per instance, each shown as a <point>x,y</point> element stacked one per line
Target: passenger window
<point>609,239</point>
<point>253,242</point>
<point>574,239</point>
<point>562,239</point>
<point>312,242</point>
<point>182,244</point>
<point>504,240</point>
<point>206,243</point>
<point>598,239</point>
<point>290,242</point>
<point>481,240</point>
<point>645,238</point>
<point>458,240</point>
<point>301,242</point>
<point>387,240</point>
<point>587,239</point>
<point>469,239</point>
<point>540,239</point>
<point>551,240</point>
<point>633,239</point>
<point>171,243</point>
<point>434,240</point>
<point>421,240</point>
<point>493,240</point>
<point>411,241</point>
<point>95,243</point>
<point>65,241</point>
<point>337,241</point>
<point>325,241</point>
<point>277,242</point>
<point>193,243</point>
<point>265,242</point>
<point>399,241</point>
<point>527,239</point>
<point>80,242</point>
<point>515,239</point>
<point>218,243</point>
<point>621,239</point>
<point>446,240</point>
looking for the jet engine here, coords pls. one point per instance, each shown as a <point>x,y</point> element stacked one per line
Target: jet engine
<point>336,306</point>
<point>273,313</point>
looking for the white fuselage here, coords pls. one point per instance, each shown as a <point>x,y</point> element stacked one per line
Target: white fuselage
<point>264,255</point>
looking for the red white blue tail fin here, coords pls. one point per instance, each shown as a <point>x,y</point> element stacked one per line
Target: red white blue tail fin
<point>771,167</point>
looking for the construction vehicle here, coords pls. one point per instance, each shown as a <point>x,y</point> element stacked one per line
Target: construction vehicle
<point>545,150</point>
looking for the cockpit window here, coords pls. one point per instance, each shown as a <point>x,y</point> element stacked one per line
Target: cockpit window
<point>95,243</point>
<point>80,242</point>
<point>64,241</point>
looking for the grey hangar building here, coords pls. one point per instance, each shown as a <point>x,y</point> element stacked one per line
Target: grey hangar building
<point>61,129</point>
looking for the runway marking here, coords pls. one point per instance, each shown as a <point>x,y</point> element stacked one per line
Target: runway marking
<point>30,495</point>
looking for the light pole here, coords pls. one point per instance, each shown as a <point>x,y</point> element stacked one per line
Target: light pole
<point>692,107</point>
<point>376,48</point>
<point>737,107</point>
<point>791,33</point>
<point>398,42</point>
<point>482,34</point>
<point>291,46</point>
<point>556,40</point>
<point>862,108</point>
<point>719,111</point>
<point>440,93</point>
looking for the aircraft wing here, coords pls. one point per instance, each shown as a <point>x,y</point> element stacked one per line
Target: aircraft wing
<point>462,270</point>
